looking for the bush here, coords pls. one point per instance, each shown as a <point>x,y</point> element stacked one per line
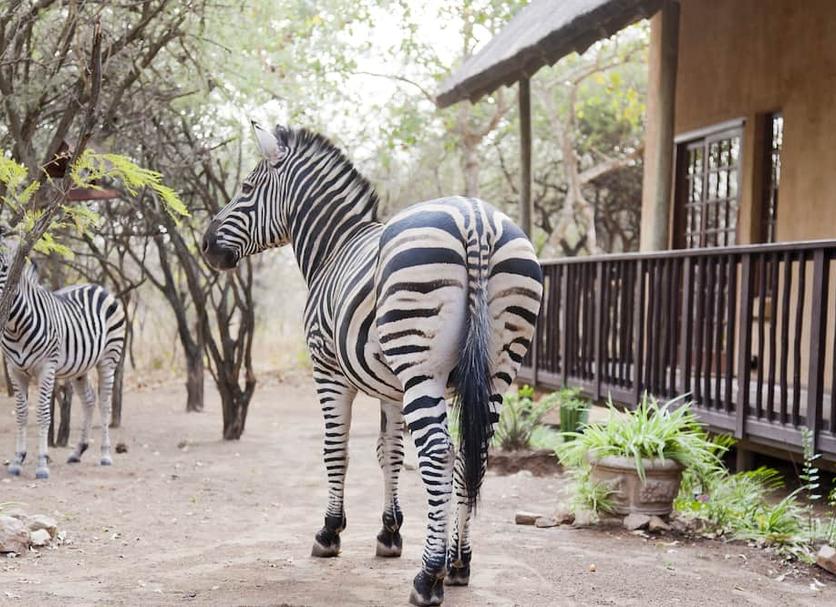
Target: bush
<point>521,421</point>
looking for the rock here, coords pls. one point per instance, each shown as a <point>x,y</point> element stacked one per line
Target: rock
<point>592,568</point>
<point>14,536</point>
<point>634,521</point>
<point>584,518</point>
<point>38,522</point>
<point>526,518</point>
<point>564,516</point>
<point>121,448</point>
<point>40,538</point>
<point>826,558</point>
<point>546,521</point>
<point>656,524</point>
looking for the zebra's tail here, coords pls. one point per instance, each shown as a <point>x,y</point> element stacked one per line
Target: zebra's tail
<point>472,380</point>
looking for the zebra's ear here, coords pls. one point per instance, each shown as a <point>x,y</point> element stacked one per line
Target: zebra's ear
<point>270,147</point>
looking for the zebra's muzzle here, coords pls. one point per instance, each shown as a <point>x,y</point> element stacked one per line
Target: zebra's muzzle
<point>216,255</point>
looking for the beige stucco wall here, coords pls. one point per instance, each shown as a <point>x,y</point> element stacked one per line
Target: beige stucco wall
<point>743,58</point>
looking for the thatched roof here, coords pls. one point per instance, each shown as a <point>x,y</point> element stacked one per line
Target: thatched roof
<point>540,34</point>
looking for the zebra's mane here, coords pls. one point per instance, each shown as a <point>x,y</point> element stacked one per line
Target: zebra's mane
<point>299,139</point>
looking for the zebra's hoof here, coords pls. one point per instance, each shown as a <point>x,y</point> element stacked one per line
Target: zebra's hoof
<point>106,461</point>
<point>14,469</point>
<point>427,589</point>
<point>326,544</point>
<point>42,473</point>
<point>389,544</point>
<point>457,575</point>
<point>74,459</point>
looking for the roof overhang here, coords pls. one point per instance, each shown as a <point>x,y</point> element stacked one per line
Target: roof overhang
<point>540,34</point>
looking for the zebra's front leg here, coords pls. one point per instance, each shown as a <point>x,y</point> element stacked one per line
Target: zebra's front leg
<point>20,384</point>
<point>335,397</point>
<point>46,384</point>
<point>107,372</point>
<point>88,401</point>
<point>425,411</point>
<point>390,457</point>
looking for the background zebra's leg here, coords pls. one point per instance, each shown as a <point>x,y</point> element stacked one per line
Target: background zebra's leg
<point>335,397</point>
<point>107,371</point>
<point>425,412</point>
<point>459,555</point>
<point>88,402</point>
<point>46,383</point>
<point>390,456</point>
<point>20,383</point>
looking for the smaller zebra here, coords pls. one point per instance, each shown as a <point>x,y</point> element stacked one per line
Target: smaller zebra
<point>60,335</point>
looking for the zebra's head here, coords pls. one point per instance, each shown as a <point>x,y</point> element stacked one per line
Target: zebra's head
<point>255,219</point>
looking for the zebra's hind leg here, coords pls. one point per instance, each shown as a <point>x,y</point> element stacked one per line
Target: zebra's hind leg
<point>390,456</point>
<point>425,412</point>
<point>20,383</point>
<point>335,397</point>
<point>107,371</point>
<point>88,401</point>
<point>46,384</point>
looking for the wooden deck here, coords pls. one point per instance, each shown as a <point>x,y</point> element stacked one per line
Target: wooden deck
<point>748,332</point>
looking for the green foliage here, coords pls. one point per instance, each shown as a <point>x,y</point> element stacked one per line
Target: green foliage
<point>13,177</point>
<point>590,495</point>
<point>651,431</point>
<point>520,418</point>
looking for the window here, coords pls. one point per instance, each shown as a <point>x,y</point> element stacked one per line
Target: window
<point>708,188</point>
<point>773,145</point>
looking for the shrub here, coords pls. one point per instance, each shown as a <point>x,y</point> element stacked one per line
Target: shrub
<point>520,422</point>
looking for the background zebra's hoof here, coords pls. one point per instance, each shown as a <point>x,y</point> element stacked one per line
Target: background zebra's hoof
<point>74,459</point>
<point>458,576</point>
<point>427,590</point>
<point>106,461</point>
<point>42,473</point>
<point>389,544</point>
<point>14,469</point>
<point>324,552</point>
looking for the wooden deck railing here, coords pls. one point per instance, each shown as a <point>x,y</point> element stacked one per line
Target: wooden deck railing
<point>748,332</point>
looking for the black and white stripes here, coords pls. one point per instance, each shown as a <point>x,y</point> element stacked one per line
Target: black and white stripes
<point>59,335</point>
<point>433,309</point>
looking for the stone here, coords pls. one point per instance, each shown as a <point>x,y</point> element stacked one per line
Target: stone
<point>656,524</point>
<point>14,536</point>
<point>40,538</point>
<point>564,516</point>
<point>634,521</point>
<point>526,518</point>
<point>584,518</point>
<point>121,448</point>
<point>826,558</point>
<point>545,522</point>
<point>37,522</point>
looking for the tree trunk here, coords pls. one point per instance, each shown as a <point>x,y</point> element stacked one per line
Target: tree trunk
<point>235,406</point>
<point>116,403</point>
<point>63,394</point>
<point>194,380</point>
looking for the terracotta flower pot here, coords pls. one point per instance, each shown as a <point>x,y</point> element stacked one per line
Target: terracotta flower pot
<point>630,494</point>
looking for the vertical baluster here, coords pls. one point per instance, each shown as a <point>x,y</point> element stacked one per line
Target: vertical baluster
<point>785,335</point>
<point>686,324</point>
<point>773,336</point>
<point>799,331</point>
<point>638,331</point>
<point>711,269</point>
<point>652,325</point>
<point>745,345</point>
<point>630,298</point>
<point>731,314</point>
<point>598,335</point>
<point>675,320</point>
<point>761,345</point>
<point>719,346</point>
<point>564,318</point>
<point>699,323</point>
<point>818,335</point>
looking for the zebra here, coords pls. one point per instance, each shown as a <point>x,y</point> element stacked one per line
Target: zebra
<point>60,335</point>
<point>437,305</point>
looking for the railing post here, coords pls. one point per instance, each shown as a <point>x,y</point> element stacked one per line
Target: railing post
<point>599,319</point>
<point>818,335</point>
<point>638,332</point>
<point>685,328</point>
<point>744,353</point>
<point>563,317</point>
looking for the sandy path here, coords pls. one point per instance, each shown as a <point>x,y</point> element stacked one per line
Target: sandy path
<point>232,523</point>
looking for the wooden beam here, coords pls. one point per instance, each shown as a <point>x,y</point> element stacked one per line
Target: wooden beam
<point>525,155</point>
<point>658,182</point>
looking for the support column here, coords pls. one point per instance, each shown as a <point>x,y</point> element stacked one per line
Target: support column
<point>657,187</point>
<point>525,155</point>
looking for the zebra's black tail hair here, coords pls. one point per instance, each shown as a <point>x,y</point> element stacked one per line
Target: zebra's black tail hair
<point>472,383</point>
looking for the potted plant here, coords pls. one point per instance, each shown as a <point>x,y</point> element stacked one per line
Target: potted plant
<point>574,413</point>
<point>634,462</point>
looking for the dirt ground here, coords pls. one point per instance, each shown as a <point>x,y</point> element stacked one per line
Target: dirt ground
<point>186,519</point>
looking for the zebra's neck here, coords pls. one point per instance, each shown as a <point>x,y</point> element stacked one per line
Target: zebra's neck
<point>338,205</point>
<point>30,296</point>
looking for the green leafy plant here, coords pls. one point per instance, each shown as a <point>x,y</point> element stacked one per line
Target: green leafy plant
<point>652,431</point>
<point>574,412</point>
<point>521,420</point>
